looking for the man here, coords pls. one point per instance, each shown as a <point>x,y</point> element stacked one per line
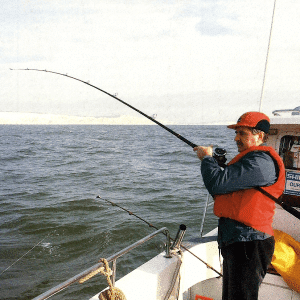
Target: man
<point>245,234</point>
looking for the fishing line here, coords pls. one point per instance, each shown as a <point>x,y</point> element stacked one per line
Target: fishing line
<point>114,96</point>
<point>24,254</point>
<point>150,225</point>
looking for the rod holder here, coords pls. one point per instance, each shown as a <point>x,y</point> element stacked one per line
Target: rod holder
<point>179,236</point>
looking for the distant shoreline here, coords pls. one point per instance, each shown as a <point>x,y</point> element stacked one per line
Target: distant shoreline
<point>20,118</point>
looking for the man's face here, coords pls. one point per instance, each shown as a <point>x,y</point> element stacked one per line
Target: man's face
<point>245,138</point>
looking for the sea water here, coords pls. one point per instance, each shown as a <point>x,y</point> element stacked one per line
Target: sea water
<point>53,227</point>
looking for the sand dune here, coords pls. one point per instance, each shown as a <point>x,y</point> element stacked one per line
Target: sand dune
<point>19,118</point>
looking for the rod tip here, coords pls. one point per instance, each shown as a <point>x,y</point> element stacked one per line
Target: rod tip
<point>182,227</point>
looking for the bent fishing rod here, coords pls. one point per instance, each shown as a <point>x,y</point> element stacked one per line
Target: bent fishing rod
<point>150,225</point>
<point>113,96</point>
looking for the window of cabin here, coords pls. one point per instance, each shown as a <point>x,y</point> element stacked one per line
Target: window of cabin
<point>289,151</point>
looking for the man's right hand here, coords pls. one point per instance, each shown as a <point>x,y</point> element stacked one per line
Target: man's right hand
<point>203,151</point>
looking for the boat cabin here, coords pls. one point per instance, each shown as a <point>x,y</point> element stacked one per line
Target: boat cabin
<point>284,137</point>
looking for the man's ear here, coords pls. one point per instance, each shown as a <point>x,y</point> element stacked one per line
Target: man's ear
<point>261,135</point>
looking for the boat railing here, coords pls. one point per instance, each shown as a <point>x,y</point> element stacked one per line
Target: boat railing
<point>207,204</point>
<point>112,259</point>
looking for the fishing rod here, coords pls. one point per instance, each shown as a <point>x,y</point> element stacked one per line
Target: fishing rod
<point>129,212</point>
<point>150,225</point>
<point>113,96</point>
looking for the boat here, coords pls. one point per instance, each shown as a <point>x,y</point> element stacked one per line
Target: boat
<point>192,270</point>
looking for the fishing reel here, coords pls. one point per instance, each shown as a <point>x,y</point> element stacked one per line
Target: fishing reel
<point>219,155</point>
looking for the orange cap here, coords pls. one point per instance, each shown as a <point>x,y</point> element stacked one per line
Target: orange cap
<point>253,119</point>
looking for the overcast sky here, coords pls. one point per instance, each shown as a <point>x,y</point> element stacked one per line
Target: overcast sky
<point>186,61</point>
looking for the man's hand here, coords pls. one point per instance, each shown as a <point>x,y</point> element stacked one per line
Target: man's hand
<point>203,151</point>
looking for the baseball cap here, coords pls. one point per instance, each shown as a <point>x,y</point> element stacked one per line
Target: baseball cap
<point>253,119</point>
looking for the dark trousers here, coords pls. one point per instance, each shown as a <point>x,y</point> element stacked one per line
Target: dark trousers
<point>244,268</point>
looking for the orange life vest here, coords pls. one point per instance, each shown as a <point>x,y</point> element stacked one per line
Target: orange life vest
<point>250,206</point>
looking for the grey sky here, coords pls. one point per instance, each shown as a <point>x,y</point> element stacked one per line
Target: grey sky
<point>187,61</point>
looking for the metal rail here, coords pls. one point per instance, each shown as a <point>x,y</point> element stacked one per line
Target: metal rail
<point>112,258</point>
<point>207,204</point>
<point>295,111</point>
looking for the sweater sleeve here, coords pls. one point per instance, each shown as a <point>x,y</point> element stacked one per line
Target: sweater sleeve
<point>254,169</point>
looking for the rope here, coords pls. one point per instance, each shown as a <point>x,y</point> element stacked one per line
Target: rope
<point>175,281</point>
<point>112,293</point>
<point>91,274</point>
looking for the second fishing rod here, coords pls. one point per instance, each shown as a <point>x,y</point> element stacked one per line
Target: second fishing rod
<point>176,242</point>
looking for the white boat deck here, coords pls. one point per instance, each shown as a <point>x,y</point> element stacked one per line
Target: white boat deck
<point>272,288</point>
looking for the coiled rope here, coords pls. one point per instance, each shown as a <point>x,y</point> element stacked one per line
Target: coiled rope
<point>112,293</point>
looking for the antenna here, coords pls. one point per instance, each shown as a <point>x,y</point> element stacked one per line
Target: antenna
<point>266,64</point>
